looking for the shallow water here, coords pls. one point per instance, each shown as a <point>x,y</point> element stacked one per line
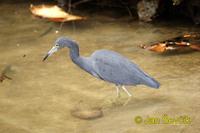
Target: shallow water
<point>40,95</point>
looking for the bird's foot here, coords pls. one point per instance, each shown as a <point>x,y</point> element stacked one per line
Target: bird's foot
<point>118,97</point>
<point>128,100</point>
<point>116,101</point>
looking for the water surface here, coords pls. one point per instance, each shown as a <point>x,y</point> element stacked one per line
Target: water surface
<point>40,95</point>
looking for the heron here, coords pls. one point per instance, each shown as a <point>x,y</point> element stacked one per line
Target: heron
<point>106,65</point>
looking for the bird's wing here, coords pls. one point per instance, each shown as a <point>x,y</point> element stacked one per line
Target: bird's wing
<point>117,69</point>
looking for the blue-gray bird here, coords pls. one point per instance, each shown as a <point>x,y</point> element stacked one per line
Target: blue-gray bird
<point>106,65</point>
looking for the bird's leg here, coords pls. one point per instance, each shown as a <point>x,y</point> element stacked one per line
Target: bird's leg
<point>130,96</point>
<point>118,94</point>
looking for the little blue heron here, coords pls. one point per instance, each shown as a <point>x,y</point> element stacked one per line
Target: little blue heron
<point>106,65</point>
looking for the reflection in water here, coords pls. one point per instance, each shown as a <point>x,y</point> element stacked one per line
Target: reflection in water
<point>40,95</point>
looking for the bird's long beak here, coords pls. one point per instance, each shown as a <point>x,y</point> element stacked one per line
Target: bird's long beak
<point>50,52</point>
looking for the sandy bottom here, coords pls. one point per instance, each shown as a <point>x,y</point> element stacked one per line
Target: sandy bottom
<point>40,95</point>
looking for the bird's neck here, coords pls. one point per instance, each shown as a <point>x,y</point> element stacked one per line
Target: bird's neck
<point>74,55</point>
<point>82,62</point>
<point>73,51</point>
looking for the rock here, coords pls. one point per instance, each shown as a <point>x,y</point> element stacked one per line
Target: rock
<point>176,2</point>
<point>86,112</point>
<point>147,9</point>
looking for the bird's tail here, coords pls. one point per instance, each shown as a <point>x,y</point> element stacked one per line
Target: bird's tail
<point>153,83</point>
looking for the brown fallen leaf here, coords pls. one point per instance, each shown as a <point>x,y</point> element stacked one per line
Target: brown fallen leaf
<point>195,47</point>
<point>186,36</point>
<point>64,19</point>
<point>178,43</point>
<point>182,43</point>
<point>53,12</point>
<point>160,47</point>
<point>178,47</point>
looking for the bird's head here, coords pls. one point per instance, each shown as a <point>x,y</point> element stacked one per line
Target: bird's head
<point>60,43</point>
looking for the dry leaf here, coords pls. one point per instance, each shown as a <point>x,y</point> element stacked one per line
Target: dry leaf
<point>195,47</point>
<point>182,43</point>
<point>160,47</point>
<point>53,12</point>
<point>177,43</point>
<point>185,36</point>
<point>177,47</point>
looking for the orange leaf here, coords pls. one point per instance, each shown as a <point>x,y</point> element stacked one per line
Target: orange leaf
<point>195,47</point>
<point>53,12</point>
<point>160,47</point>
<point>182,43</point>
<point>186,36</point>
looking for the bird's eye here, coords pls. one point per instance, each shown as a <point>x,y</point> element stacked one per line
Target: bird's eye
<point>56,45</point>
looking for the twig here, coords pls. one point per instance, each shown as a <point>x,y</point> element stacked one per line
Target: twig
<point>80,2</point>
<point>127,8</point>
<point>3,74</point>
<point>61,26</point>
<point>46,32</point>
<point>109,5</point>
<point>129,12</point>
<point>69,10</point>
